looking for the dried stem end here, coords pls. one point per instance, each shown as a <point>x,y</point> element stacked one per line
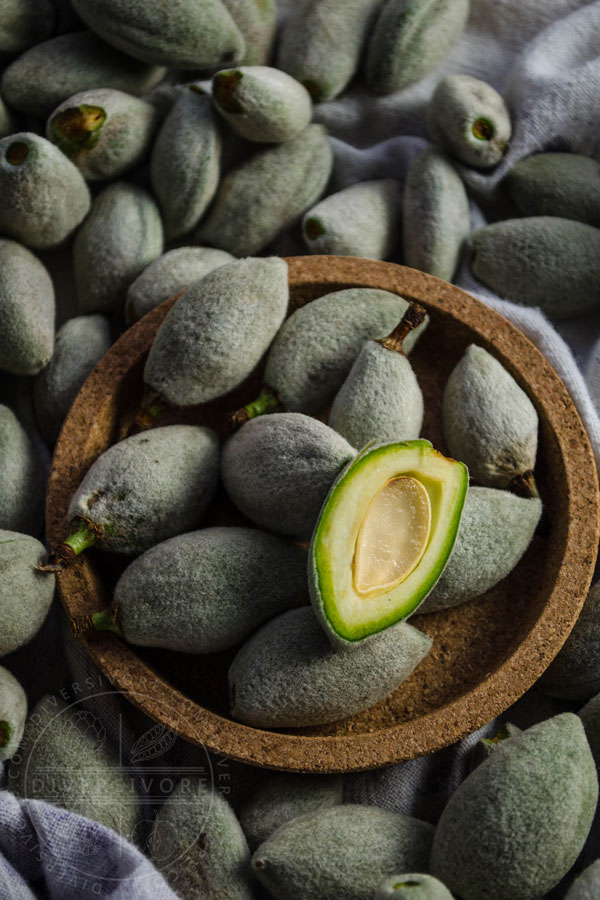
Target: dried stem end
<point>411,319</point>
<point>82,534</point>
<point>524,485</point>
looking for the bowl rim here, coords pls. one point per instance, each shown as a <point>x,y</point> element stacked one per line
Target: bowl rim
<point>437,728</point>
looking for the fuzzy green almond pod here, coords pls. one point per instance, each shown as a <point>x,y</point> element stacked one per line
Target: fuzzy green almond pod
<point>381,400</point>
<point>50,72</point>
<point>437,220</point>
<point>489,421</point>
<point>410,39</point>
<point>587,885</point>
<point>315,348</point>
<point>321,43</point>
<point>557,184</point>
<point>171,273</point>
<point>484,748</point>
<point>22,478</point>
<point>575,672</point>
<point>263,196</point>
<point>24,23</point>
<point>411,886</point>
<point>65,759</point>
<point>44,197</point>
<point>25,593</point>
<point>496,528</point>
<point>468,119</point>
<point>257,20</point>
<point>199,846</point>
<point>541,261</point>
<point>362,220</point>
<point>288,674</point>
<point>345,851</point>
<point>278,469</point>
<point>517,824</point>
<point>13,712</point>
<point>104,132</point>
<point>181,34</point>
<point>284,797</point>
<point>218,331</point>
<point>80,344</point>
<point>8,124</point>
<point>207,590</point>
<point>121,236</point>
<point>262,104</point>
<point>27,311</point>
<point>147,488</point>
<point>186,162</point>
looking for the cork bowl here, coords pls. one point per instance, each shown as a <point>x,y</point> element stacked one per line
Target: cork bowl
<point>486,653</point>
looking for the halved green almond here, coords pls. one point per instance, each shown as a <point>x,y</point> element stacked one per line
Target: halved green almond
<point>384,535</point>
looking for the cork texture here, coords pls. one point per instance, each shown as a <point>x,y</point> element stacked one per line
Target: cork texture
<point>486,653</point>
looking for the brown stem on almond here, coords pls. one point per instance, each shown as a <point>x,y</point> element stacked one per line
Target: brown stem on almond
<point>524,485</point>
<point>412,318</point>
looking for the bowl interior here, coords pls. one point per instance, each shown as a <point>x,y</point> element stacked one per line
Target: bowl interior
<point>485,654</point>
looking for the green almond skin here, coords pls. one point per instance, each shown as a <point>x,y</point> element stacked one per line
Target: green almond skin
<point>436,214</point>
<point>412,887</point>
<point>321,42</point>
<point>121,236</point>
<point>27,311</point>
<point>409,39</point>
<point>66,760</point>
<point>228,582</point>
<point>484,748</point>
<point>25,593</point>
<point>257,20</point>
<point>288,675</point>
<point>362,220</point>
<point>541,261</point>
<point>345,851</point>
<point>13,712</point>
<point>496,528</point>
<point>517,824</point>
<point>50,72</point>
<point>218,331</point>
<point>575,672</point>
<point>22,478</point>
<point>262,104</point>
<point>284,797</point>
<point>186,162</point>
<point>24,23</point>
<point>198,844</point>
<point>315,348</point>
<point>469,120</point>
<point>380,399</point>
<point>263,196</point>
<point>44,197</point>
<point>182,34</point>
<point>170,274</point>
<point>489,421</point>
<point>80,344</point>
<point>557,184</point>
<point>119,144</point>
<point>149,487</point>
<point>587,886</point>
<point>279,468</point>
